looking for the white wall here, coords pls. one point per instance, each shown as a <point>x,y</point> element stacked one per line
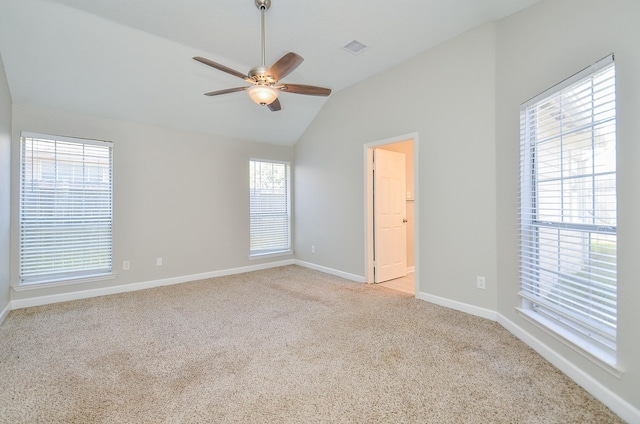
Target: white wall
<point>177,195</point>
<point>5,188</point>
<point>536,49</point>
<point>446,96</point>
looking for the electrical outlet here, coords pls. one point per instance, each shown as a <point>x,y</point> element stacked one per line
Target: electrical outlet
<point>126,265</point>
<point>313,249</point>
<point>480,282</point>
<point>158,261</point>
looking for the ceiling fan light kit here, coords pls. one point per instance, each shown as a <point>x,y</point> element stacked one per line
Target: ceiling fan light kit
<point>265,88</point>
<point>262,94</point>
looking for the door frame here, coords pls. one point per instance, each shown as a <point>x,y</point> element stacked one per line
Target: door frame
<point>368,203</point>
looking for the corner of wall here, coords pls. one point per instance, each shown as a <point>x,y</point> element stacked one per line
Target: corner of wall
<point>5,189</point>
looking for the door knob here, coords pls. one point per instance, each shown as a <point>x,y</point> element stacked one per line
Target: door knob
<point>404,220</point>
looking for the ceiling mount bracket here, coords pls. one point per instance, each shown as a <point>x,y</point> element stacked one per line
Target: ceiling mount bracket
<point>263,4</point>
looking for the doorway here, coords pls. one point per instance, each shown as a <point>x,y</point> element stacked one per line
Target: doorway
<point>381,252</point>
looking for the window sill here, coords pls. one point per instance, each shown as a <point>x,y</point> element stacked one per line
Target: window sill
<point>270,254</point>
<point>64,282</point>
<point>603,359</point>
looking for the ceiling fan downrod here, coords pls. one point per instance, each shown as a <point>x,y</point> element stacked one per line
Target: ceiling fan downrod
<point>263,5</point>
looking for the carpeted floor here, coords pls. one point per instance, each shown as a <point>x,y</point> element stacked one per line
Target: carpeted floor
<point>285,345</point>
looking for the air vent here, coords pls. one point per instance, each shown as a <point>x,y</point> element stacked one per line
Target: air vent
<point>355,47</point>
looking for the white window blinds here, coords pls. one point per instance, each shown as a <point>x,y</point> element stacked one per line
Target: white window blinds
<point>65,208</point>
<point>568,208</point>
<point>269,207</point>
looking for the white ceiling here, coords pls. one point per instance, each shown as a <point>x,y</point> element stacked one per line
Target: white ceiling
<point>132,59</point>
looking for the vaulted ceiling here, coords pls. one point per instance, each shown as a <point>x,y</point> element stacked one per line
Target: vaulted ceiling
<point>132,59</point>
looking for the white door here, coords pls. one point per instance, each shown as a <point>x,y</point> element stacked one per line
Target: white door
<point>389,215</point>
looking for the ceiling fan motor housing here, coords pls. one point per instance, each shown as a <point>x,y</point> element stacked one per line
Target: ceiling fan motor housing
<point>258,75</point>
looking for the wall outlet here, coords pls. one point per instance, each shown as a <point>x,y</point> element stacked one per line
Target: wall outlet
<point>313,249</point>
<point>126,265</point>
<point>158,261</point>
<point>480,282</point>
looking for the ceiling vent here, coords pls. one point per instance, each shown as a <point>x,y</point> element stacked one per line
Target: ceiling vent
<point>355,47</point>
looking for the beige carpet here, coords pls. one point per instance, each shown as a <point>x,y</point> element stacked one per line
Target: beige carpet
<point>286,345</point>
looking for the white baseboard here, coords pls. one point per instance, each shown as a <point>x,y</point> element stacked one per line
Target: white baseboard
<point>84,294</point>
<point>5,312</point>
<point>618,405</point>
<point>458,306</point>
<point>346,275</point>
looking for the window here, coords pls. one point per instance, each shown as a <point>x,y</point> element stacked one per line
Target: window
<point>568,209</point>
<point>269,207</point>
<point>65,208</point>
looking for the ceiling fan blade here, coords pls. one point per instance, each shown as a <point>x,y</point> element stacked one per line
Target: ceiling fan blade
<point>225,91</point>
<point>309,90</point>
<point>274,106</point>
<point>285,65</point>
<point>221,67</point>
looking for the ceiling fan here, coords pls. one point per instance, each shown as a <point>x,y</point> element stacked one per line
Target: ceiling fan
<point>266,82</point>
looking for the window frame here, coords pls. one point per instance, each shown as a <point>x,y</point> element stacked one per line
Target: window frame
<point>100,212</point>
<point>282,249</point>
<point>596,343</point>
